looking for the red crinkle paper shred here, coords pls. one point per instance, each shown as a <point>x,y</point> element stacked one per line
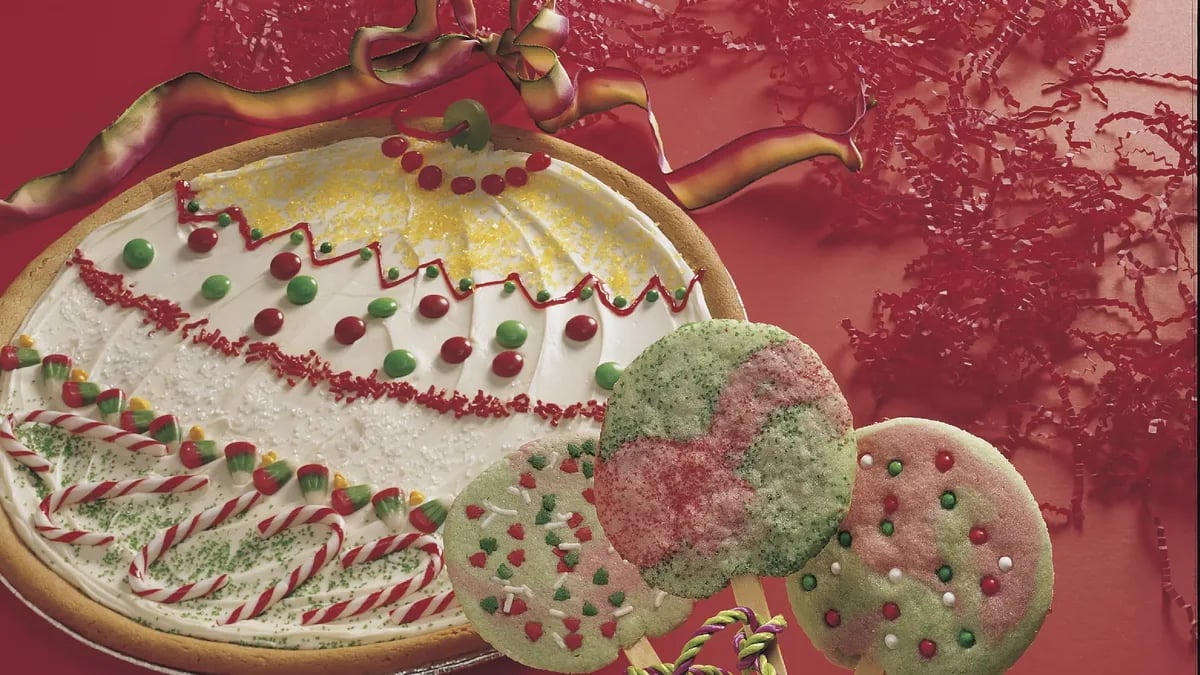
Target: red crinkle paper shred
<point>1056,296</point>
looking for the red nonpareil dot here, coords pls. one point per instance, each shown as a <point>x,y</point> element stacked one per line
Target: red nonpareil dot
<point>411,161</point>
<point>944,461</point>
<point>516,558</point>
<point>891,611</point>
<point>285,265</point>
<point>202,239</point>
<point>492,184</point>
<point>349,329</point>
<point>581,328</point>
<point>508,364</point>
<point>433,306</point>
<point>978,536</point>
<point>528,481</point>
<point>533,631</point>
<point>990,585</point>
<point>573,641</point>
<point>268,322</point>
<point>608,629</point>
<point>571,623</point>
<point>430,178</point>
<point>516,176</point>
<point>833,618</point>
<point>478,559</point>
<point>891,503</point>
<point>538,161</point>
<point>394,147</point>
<point>517,607</point>
<point>474,511</point>
<point>456,350</point>
<point>462,185</point>
<point>927,648</point>
<point>516,531</point>
<point>575,520</point>
<point>583,534</point>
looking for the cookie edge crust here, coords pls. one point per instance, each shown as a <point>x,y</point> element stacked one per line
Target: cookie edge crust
<point>62,601</point>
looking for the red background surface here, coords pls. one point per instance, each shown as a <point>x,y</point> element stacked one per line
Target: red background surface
<point>67,76</point>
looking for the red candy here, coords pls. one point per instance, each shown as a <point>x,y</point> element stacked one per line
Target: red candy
<point>581,328</point>
<point>462,185</point>
<point>538,161</point>
<point>833,618</point>
<point>891,503</point>
<point>411,161</point>
<point>202,239</point>
<point>944,461</point>
<point>456,350</point>
<point>285,265</point>
<point>516,176</point>
<point>492,184</point>
<point>268,322</point>
<point>891,611</point>
<point>349,329</point>
<point>394,147</point>
<point>433,306</point>
<point>508,364</point>
<point>989,585</point>
<point>978,536</point>
<point>927,648</point>
<point>430,178</point>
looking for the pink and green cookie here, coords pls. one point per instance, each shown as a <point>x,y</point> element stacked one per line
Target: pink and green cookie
<point>943,565</point>
<point>534,572</point>
<point>727,449</point>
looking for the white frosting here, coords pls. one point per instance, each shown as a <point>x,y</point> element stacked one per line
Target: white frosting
<point>381,442</point>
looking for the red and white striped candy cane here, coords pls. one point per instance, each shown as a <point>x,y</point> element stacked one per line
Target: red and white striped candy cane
<point>206,519</point>
<point>21,454</point>
<point>109,489</point>
<point>90,428</point>
<point>301,515</point>
<point>430,605</point>
<point>385,595</point>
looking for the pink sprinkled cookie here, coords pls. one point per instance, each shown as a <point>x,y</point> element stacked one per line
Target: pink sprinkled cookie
<point>533,570</point>
<point>942,566</point>
<point>727,450</point>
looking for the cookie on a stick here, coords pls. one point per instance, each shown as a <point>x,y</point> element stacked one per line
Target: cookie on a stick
<point>727,453</point>
<point>534,572</point>
<point>943,565</point>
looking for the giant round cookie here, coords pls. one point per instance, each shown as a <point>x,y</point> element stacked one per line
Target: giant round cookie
<point>649,305</point>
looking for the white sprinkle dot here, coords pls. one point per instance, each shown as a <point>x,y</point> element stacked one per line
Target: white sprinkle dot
<point>1005,563</point>
<point>891,641</point>
<point>894,575</point>
<point>658,599</point>
<point>622,611</point>
<point>570,546</point>
<point>948,599</point>
<point>836,568</point>
<point>866,461</point>
<point>557,613</point>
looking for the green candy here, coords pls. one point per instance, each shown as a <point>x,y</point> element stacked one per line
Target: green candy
<point>845,538</point>
<point>895,467</point>
<point>620,301</point>
<point>808,582</point>
<point>399,363</point>
<point>138,253</point>
<point>465,284</point>
<point>966,639</point>
<point>945,574</point>
<point>215,287</point>
<point>652,296</point>
<point>393,273</point>
<point>543,295</point>
<point>511,334</point>
<point>193,206</point>
<point>948,500</point>
<point>326,247</point>
<point>510,286</point>
<point>297,237</point>
<point>431,272</point>
<point>585,293</point>
<point>382,308</point>
<point>256,234</point>
<point>680,293</point>
<point>607,374</point>
<point>365,253</point>
<point>224,220</point>
<point>479,125</point>
<point>302,289</point>
<point>887,528</point>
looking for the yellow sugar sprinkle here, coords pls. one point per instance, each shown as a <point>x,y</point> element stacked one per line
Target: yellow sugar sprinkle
<point>269,458</point>
<point>196,433</point>
<point>79,375</point>
<point>139,403</point>
<point>340,482</point>
<point>415,497</point>
<point>24,340</point>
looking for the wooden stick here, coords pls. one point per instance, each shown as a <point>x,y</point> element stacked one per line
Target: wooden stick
<point>641,654</point>
<point>866,667</point>
<point>748,592</point>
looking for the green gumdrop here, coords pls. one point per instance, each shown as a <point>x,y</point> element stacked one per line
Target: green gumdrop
<point>215,287</point>
<point>479,125</point>
<point>607,374</point>
<point>382,307</point>
<point>302,289</point>
<point>138,253</point>
<point>399,363</point>
<point>511,334</point>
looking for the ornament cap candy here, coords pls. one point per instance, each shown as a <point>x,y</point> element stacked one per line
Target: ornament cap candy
<point>271,478</point>
<point>314,482</point>
<point>240,459</point>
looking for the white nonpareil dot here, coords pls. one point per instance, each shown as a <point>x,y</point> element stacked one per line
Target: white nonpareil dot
<point>836,568</point>
<point>1005,563</point>
<point>866,461</point>
<point>895,575</point>
<point>948,599</point>
<point>891,641</point>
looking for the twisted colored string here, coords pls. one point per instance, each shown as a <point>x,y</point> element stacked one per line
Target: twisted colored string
<point>752,649</point>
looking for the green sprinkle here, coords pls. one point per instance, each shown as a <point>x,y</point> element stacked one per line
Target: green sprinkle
<point>845,538</point>
<point>488,544</point>
<point>510,286</point>
<point>326,247</point>
<point>552,539</point>
<point>808,582</point>
<point>607,374</point>
<point>589,447</point>
<point>585,293</point>
<point>945,574</point>
<point>588,469</point>
<point>542,517</point>
<point>680,293</point>
<point>887,528</point>
<point>138,253</point>
<point>504,571</point>
<point>365,253</point>
<point>548,502</point>
<point>393,273</point>
<point>600,578</point>
<point>574,450</point>
<point>465,284</point>
<point>297,237</point>
<point>620,301</point>
<point>511,334</point>
<point>224,220</point>
<point>561,594</point>
<point>256,234</point>
<point>589,609</point>
<point>382,308</point>
<point>302,289</point>
<point>537,461</point>
<point>543,295</point>
<point>617,599</point>
<point>651,295</point>
<point>399,363</point>
<point>571,559</point>
<point>895,467</point>
<point>489,604</point>
<point>215,287</point>
<point>966,639</point>
<point>193,206</point>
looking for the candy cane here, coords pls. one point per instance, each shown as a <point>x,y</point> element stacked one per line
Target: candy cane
<point>109,489</point>
<point>151,552</point>
<point>385,595</point>
<point>21,454</point>
<point>301,515</point>
<point>430,605</point>
<point>90,428</point>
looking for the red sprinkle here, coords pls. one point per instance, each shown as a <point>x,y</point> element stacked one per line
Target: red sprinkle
<point>990,585</point>
<point>569,465</point>
<point>462,185</point>
<point>349,329</point>
<point>571,623</point>
<point>412,160</point>
<point>516,176</point>
<point>538,161</point>
<point>575,520</point>
<point>268,322</point>
<point>478,559</point>
<point>833,618</point>
<point>508,364</point>
<point>573,641</point>
<point>474,511</point>
<point>516,558</point>
<point>608,629</point>
<point>583,534</point>
<point>433,306</point>
<point>891,611</point>
<point>456,350</point>
<point>518,606</point>
<point>528,481</point>
<point>581,328</point>
<point>430,177</point>
<point>394,147</point>
<point>944,461</point>
<point>202,239</point>
<point>285,265</point>
<point>492,184</point>
<point>927,648</point>
<point>891,503</point>
<point>533,631</point>
<point>589,495</point>
<point>516,531</point>
<point>978,536</point>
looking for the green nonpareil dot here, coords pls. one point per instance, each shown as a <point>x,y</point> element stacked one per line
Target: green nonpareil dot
<point>680,293</point>
<point>489,604</point>
<point>651,296</point>
<point>620,301</point>
<point>393,273</point>
<point>488,544</point>
<point>548,502</point>
<point>616,599</point>
<point>193,206</point>
<point>585,293</point>
<point>600,578</point>
<point>589,609</point>
<point>895,467</point>
<point>510,286</point>
<point>256,234</point>
<point>302,289</point>
<point>138,253</point>
<point>224,220</point>
<point>431,272</point>
<point>552,539</point>
<point>399,363</point>
<point>808,582</point>
<point>326,247</point>
<point>845,538</point>
<point>296,237</point>
<point>543,295</point>
<point>561,594</point>
<point>966,639</point>
<point>504,571</point>
<point>948,500</point>
<point>215,287</point>
<point>465,284</point>
<point>945,574</point>
<point>511,334</point>
<point>607,374</point>
<point>537,461</point>
<point>365,253</point>
<point>382,308</point>
<point>887,528</point>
